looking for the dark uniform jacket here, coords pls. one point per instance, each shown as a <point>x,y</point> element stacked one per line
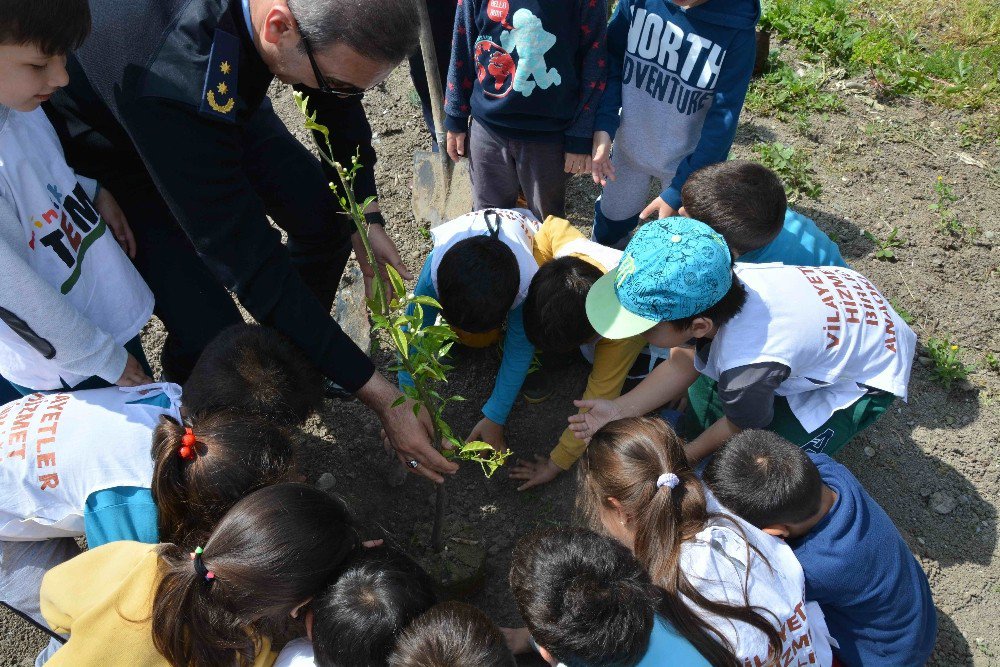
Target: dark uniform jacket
<point>167,88</point>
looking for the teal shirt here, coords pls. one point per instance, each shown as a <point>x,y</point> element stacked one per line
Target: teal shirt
<point>123,512</point>
<point>668,647</point>
<point>799,243</point>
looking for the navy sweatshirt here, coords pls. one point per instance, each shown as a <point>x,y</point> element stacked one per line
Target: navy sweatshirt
<point>872,591</point>
<point>679,78</point>
<point>532,70</point>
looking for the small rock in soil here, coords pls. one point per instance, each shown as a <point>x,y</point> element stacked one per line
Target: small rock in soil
<point>325,482</point>
<point>942,503</point>
<point>869,452</point>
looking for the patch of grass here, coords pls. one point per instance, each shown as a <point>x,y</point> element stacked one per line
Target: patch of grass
<point>948,53</point>
<point>781,91</point>
<point>902,312</point>
<point>992,362</point>
<point>948,366</point>
<point>944,198</point>
<point>884,248</point>
<point>792,167</point>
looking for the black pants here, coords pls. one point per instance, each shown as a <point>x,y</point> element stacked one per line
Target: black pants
<point>191,299</point>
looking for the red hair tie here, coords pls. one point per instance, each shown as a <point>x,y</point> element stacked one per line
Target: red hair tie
<point>187,450</point>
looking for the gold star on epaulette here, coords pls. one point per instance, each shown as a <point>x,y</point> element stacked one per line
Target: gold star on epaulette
<point>226,69</point>
<point>222,88</point>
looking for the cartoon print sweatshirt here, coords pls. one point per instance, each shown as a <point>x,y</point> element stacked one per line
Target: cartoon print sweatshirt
<point>679,78</point>
<point>530,70</point>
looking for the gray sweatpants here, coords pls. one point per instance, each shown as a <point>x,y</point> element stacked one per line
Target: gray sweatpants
<point>500,166</point>
<point>630,192</point>
<point>22,566</point>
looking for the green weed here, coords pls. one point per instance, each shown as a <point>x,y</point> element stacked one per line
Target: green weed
<point>792,167</point>
<point>824,28</point>
<point>884,249</point>
<point>781,90</point>
<point>992,362</point>
<point>947,362</point>
<point>902,312</point>
<point>947,220</point>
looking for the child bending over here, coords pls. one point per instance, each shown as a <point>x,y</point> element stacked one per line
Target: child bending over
<point>872,590</point>
<point>737,584</point>
<point>187,605</point>
<point>357,619</point>
<point>815,354</point>
<point>452,634</point>
<point>587,601</point>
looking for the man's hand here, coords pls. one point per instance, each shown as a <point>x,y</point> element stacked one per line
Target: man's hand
<point>409,436</point>
<point>518,640</point>
<point>600,164</point>
<point>456,145</point>
<point>109,209</point>
<point>659,208</point>
<point>133,375</point>
<point>577,163</point>
<point>489,432</point>
<point>599,412</point>
<point>385,253</point>
<point>535,473</point>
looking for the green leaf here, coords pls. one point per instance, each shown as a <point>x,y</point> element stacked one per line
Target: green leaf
<point>400,340</point>
<point>476,446</point>
<point>398,402</point>
<point>427,301</point>
<point>395,279</point>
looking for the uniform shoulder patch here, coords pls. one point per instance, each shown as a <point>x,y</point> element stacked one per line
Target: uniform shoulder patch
<point>219,95</point>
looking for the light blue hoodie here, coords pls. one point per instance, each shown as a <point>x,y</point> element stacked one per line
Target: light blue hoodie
<point>679,78</point>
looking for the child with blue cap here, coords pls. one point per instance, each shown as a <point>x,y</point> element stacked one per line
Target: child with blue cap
<point>815,354</point>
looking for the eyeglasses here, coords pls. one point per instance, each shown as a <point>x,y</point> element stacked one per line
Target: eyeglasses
<point>340,90</point>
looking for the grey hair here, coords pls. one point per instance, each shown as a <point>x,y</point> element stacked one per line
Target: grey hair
<point>383,30</point>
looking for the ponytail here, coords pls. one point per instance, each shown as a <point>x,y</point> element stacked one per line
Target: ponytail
<point>200,471</point>
<point>641,463</point>
<point>275,549</point>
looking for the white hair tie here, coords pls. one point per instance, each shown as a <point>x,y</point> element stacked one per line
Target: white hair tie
<point>667,479</point>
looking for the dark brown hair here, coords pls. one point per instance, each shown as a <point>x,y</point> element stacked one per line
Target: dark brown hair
<point>623,461</point>
<point>452,634</point>
<point>236,455</point>
<point>271,552</point>
<point>257,371</point>
<point>56,27</point>
<point>744,201</point>
<point>555,310</point>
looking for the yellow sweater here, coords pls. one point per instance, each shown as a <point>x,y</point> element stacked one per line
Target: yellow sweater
<point>103,599</point>
<point>612,358</point>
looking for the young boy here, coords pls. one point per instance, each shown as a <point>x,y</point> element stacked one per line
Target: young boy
<point>814,354</point>
<point>452,634</point>
<point>587,601</point>
<point>555,319</point>
<point>874,594</point>
<point>357,619</point>
<point>71,303</point>
<point>677,78</point>
<point>530,75</point>
<point>479,271</point>
<point>746,203</point>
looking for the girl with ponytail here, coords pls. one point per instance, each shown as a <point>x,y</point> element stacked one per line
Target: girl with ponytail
<point>731,590</point>
<point>189,605</point>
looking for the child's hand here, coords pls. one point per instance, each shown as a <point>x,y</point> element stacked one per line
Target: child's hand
<point>489,432</point>
<point>661,208</point>
<point>456,145</point>
<point>599,412</point>
<point>518,640</point>
<point>133,375</point>
<point>112,213</point>
<point>535,473</point>
<point>600,165</point>
<point>577,163</point>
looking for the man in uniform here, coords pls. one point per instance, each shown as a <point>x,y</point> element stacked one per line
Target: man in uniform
<point>167,108</point>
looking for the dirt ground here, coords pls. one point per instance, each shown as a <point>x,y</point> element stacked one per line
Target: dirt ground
<point>931,463</point>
